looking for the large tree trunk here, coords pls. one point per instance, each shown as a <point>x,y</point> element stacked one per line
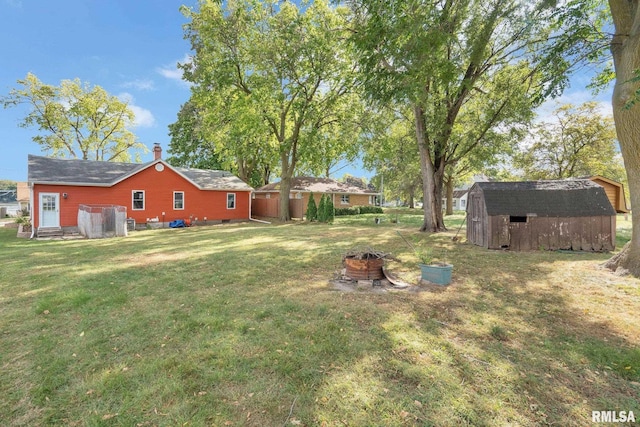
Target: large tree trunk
<point>427,171</point>
<point>432,178</point>
<point>266,175</point>
<point>449,185</point>
<point>285,188</point>
<point>438,180</point>
<point>244,170</point>
<point>412,197</point>
<point>625,47</point>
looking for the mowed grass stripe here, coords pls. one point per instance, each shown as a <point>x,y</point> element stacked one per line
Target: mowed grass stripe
<point>238,325</point>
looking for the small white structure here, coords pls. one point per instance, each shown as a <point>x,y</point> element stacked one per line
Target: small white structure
<point>459,200</point>
<point>98,221</point>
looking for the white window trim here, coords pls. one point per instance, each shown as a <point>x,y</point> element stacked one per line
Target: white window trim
<point>174,200</point>
<point>144,200</point>
<point>234,201</point>
<point>342,202</point>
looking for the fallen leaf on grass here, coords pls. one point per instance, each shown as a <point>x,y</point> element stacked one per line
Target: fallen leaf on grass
<point>109,416</point>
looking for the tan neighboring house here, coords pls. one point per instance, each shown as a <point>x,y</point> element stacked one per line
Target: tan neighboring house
<point>615,192</point>
<point>266,199</point>
<point>23,195</point>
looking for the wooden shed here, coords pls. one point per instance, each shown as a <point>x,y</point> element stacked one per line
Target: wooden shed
<point>549,215</point>
<point>615,192</point>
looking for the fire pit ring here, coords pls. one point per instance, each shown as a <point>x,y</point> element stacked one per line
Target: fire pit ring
<point>364,269</point>
<point>364,264</point>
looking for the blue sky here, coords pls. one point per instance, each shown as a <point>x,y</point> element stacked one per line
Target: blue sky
<point>130,48</point>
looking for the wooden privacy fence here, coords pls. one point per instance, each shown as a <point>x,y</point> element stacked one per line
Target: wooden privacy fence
<point>270,208</point>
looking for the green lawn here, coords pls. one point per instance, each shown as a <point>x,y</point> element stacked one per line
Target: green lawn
<point>238,325</point>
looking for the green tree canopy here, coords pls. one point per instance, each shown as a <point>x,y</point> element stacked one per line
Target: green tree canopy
<point>393,153</point>
<point>578,141</point>
<point>6,184</point>
<point>76,120</point>
<point>188,147</point>
<point>274,79</point>
<point>469,70</point>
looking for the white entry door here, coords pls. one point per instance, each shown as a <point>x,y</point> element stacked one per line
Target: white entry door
<point>49,210</point>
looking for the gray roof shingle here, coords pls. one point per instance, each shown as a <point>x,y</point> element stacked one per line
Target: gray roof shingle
<point>75,171</point>
<point>318,185</point>
<point>46,170</point>
<point>563,198</point>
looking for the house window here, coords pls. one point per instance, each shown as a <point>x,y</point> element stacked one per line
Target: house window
<point>344,199</point>
<point>268,195</point>
<point>455,203</point>
<point>231,200</point>
<point>178,200</point>
<point>463,203</point>
<point>138,200</point>
<point>513,218</point>
<point>374,200</point>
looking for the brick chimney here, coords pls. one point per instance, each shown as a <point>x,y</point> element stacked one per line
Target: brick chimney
<point>157,151</point>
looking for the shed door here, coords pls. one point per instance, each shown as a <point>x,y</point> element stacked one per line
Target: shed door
<point>49,210</point>
<point>476,221</point>
<point>520,236</point>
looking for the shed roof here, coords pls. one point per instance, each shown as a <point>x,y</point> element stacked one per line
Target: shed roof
<point>318,185</point>
<point>561,198</point>
<point>457,194</point>
<point>618,200</point>
<point>46,170</point>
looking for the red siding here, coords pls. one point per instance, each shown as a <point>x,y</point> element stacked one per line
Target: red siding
<point>158,188</point>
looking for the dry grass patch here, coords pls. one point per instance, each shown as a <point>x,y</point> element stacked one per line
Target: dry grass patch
<point>238,325</point>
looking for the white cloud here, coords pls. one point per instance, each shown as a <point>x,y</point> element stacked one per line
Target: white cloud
<point>144,118</point>
<point>172,72</point>
<point>139,84</point>
<point>576,98</point>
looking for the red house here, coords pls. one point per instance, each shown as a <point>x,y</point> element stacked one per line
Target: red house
<point>153,193</point>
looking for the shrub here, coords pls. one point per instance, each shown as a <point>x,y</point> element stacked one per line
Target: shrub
<point>370,209</point>
<point>312,209</point>
<point>346,211</point>
<point>321,209</point>
<point>329,210</point>
<point>25,220</point>
<point>356,210</point>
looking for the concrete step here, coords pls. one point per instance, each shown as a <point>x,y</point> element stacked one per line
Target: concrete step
<point>50,232</point>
